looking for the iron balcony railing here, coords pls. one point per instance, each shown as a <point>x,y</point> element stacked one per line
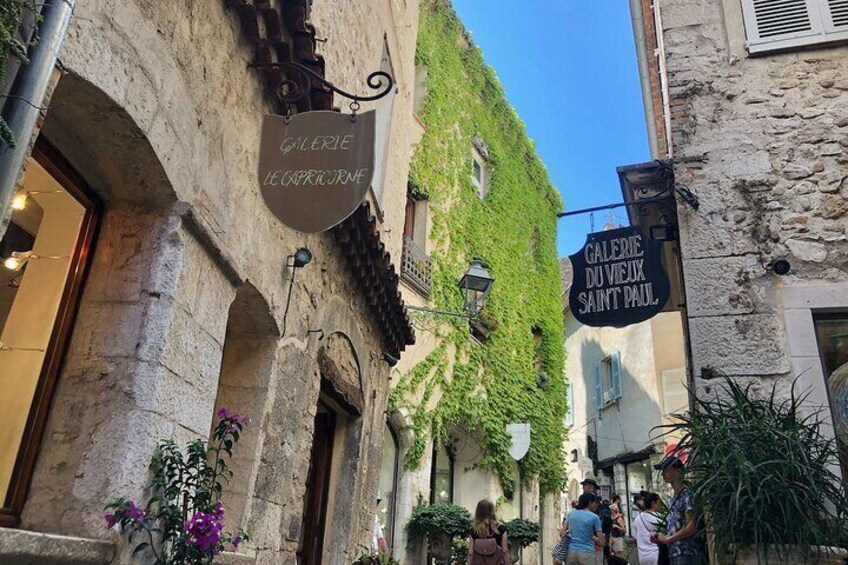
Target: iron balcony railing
<point>415,266</point>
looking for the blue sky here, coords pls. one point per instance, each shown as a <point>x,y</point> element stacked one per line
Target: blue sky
<point>569,68</point>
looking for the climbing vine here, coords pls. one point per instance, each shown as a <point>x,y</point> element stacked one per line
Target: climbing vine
<point>462,383</point>
<point>11,18</point>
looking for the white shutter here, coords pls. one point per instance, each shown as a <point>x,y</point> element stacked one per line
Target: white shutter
<point>835,19</point>
<point>778,24</point>
<point>569,415</point>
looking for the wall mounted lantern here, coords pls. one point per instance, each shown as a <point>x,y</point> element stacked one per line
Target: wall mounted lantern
<point>475,284</point>
<point>295,261</point>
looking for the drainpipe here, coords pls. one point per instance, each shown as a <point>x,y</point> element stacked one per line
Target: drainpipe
<point>21,109</point>
<point>644,75</point>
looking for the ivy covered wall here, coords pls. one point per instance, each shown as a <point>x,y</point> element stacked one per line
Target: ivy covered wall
<point>462,383</point>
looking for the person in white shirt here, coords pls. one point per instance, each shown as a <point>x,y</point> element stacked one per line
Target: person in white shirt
<point>378,541</point>
<point>646,524</point>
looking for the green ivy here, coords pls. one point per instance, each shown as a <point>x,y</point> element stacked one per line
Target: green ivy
<point>513,228</point>
<point>11,18</point>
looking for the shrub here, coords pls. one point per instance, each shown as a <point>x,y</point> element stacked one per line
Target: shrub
<point>439,518</point>
<point>762,473</point>
<point>522,532</point>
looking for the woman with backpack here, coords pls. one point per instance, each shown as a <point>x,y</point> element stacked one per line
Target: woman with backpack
<point>487,544</point>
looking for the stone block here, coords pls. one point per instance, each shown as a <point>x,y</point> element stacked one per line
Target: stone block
<point>192,353</point>
<point>807,250</point>
<point>750,344</point>
<point>20,547</point>
<point>711,295</point>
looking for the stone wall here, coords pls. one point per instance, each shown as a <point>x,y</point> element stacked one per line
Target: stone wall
<point>763,142</point>
<point>160,114</point>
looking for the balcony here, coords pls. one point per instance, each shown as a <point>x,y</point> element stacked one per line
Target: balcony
<point>415,267</point>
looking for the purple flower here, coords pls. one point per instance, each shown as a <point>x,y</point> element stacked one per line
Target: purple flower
<point>218,511</point>
<point>222,413</point>
<point>203,530</point>
<point>111,520</point>
<point>133,512</point>
<point>235,541</point>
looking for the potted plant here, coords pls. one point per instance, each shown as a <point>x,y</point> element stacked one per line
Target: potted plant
<point>375,558</point>
<point>519,534</point>
<point>763,476</point>
<point>440,523</point>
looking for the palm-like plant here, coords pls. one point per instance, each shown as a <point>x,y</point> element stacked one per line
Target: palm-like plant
<point>763,474</point>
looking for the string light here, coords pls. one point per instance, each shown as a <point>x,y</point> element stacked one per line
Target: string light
<point>19,201</point>
<point>18,259</point>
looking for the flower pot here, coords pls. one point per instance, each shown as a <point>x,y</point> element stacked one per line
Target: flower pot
<point>828,556</point>
<point>440,546</point>
<point>514,552</point>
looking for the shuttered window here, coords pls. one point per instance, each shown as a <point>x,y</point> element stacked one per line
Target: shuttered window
<point>783,24</point>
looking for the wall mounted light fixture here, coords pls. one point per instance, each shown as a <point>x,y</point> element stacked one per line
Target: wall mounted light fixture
<point>475,284</point>
<point>295,261</point>
<point>16,261</point>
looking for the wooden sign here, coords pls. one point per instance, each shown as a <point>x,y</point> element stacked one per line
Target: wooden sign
<point>618,279</point>
<point>315,168</point>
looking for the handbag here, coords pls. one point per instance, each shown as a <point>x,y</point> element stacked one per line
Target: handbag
<point>560,550</point>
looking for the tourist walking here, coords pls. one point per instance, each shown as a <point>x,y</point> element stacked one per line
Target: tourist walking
<point>487,544</point>
<point>683,549</point>
<point>645,525</point>
<point>585,529</point>
<point>618,528</point>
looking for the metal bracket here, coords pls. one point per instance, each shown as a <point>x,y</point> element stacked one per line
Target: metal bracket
<point>294,89</point>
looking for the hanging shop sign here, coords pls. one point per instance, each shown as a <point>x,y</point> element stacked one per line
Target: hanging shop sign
<point>619,279</point>
<point>315,168</point>
<point>520,434</point>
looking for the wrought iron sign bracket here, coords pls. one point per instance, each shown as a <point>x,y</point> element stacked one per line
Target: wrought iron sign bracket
<point>299,78</point>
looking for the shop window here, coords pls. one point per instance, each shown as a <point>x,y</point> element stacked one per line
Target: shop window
<point>383,129</point>
<point>785,24</point>
<point>44,251</point>
<point>387,493</point>
<point>832,336</point>
<point>441,476</point>
<point>608,380</point>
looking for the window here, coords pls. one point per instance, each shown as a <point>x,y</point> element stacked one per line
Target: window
<point>387,492</point>
<point>383,129</point>
<point>569,415</point>
<point>832,337</point>
<point>415,263</point>
<point>608,380</point>
<point>44,253</point>
<point>420,95</point>
<point>479,175</point>
<point>782,24</point>
<point>441,476</point>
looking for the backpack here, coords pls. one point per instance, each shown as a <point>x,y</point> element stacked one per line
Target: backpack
<point>486,551</point>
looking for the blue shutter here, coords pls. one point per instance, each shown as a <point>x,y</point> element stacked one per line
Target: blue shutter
<point>615,375</point>
<point>599,387</point>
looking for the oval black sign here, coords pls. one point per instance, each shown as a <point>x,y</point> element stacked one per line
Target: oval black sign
<point>618,279</point>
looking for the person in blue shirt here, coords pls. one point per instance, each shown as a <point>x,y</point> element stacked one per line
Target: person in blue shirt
<point>585,529</point>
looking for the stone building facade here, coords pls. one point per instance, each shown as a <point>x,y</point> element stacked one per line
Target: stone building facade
<point>179,293</point>
<point>757,101</point>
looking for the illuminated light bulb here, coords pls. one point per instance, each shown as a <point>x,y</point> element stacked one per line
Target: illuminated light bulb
<point>17,260</point>
<point>13,263</point>
<point>443,494</point>
<point>19,201</point>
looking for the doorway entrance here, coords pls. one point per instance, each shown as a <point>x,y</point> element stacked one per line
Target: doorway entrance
<point>317,488</point>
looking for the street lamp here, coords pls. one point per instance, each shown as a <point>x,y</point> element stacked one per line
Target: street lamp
<point>475,285</point>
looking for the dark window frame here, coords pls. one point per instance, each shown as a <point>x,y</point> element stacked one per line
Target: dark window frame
<point>59,168</point>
